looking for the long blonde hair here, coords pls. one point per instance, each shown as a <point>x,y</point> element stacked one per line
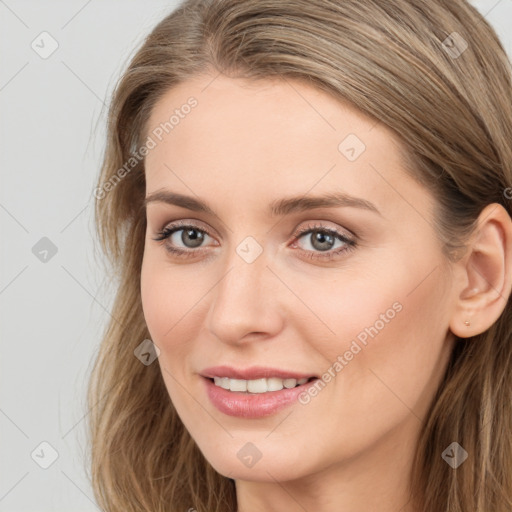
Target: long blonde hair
<point>405,63</point>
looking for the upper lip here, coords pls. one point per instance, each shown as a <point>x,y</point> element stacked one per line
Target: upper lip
<point>252,373</point>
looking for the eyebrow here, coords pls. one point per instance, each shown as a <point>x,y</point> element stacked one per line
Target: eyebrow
<point>279,207</point>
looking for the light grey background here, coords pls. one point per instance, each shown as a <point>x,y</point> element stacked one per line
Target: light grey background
<point>53,312</point>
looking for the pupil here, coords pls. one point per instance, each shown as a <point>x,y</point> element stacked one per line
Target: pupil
<point>194,237</point>
<point>322,238</point>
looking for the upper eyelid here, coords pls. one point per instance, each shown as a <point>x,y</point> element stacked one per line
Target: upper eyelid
<point>297,232</point>
<point>182,224</point>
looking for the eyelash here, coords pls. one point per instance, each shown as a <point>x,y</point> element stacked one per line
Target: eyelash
<point>350,244</point>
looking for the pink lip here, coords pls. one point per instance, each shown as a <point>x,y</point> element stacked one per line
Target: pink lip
<point>249,405</point>
<point>252,373</point>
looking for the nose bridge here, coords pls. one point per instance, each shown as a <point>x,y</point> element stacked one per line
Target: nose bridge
<point>242,301</point>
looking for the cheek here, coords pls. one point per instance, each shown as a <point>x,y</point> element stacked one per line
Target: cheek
<point>170,298</point>
<point>353,306</point>
<point>389,324</point>
<point>167,303</point>
<point>155,301</point>
<point>398,332</point>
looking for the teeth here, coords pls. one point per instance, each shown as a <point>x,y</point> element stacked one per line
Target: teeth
<point>224,383</point>
<point>275,384</point>
<point>290,383</point>
<point>257,385</point>
<point>237,385</point>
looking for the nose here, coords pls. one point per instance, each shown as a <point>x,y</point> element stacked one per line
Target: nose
<point>245,303</point>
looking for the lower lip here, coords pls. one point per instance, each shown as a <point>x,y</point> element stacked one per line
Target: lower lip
<point>249,405</point>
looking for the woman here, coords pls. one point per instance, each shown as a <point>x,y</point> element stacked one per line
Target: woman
<point>307,207</point>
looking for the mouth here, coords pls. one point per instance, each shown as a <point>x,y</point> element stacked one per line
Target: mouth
<point>255,391</point>
<point>258,386</point>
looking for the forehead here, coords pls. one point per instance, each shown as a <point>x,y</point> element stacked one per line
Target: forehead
<point>277,108</point>
<point>261,139</point>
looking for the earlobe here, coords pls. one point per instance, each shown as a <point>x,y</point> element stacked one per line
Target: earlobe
<point>486,274</point>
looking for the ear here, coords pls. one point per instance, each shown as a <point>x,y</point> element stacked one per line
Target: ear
<point>484,274</point>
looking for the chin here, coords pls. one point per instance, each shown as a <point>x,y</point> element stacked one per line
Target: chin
<point>246,462</point>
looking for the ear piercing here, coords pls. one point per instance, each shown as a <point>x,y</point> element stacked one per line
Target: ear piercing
<point>473,291</point>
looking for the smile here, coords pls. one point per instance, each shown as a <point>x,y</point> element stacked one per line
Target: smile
<point>257,385</point>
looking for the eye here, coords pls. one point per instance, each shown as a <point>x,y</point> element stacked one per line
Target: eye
<point>320,240</point>
<point>191,236</point>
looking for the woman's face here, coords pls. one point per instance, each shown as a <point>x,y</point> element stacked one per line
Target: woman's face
<point>360,301</point>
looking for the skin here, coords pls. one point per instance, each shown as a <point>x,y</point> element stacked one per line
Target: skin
<point>243,146</point>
